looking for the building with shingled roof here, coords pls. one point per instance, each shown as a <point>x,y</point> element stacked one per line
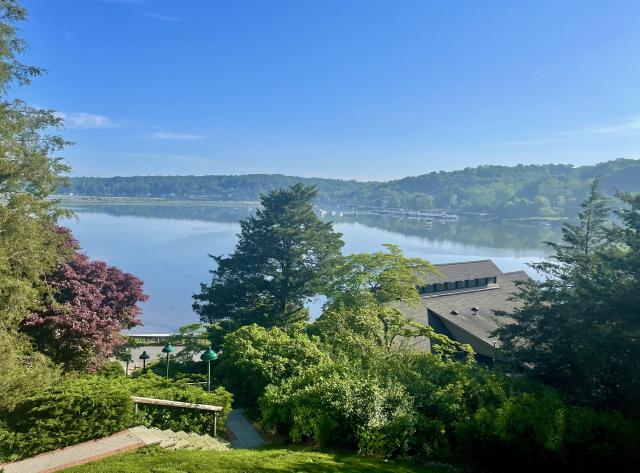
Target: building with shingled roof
<point>461,300</point>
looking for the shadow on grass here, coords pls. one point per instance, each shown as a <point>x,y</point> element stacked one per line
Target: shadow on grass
<point>265,460</point>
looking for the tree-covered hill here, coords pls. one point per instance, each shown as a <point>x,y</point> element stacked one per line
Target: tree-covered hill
<point>549,190</point>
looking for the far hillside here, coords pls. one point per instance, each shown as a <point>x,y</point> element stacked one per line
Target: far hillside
<point>522,191</point>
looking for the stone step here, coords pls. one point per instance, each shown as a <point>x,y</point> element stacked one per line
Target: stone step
<point>179,440</point>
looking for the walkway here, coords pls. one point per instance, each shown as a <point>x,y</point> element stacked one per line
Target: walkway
<point>245,436</point>
<point>76,454</point>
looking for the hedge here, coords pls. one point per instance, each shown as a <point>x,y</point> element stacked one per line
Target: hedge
<point>82,408</point>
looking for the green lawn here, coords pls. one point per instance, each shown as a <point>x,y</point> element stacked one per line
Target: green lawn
<point>156,460</point>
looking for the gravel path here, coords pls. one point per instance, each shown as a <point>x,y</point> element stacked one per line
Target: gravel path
<point>245,435</point>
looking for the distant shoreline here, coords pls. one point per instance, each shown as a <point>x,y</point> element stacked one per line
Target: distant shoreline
<point>94,200</point>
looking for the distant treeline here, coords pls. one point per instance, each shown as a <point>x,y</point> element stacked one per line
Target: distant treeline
<point>549,190</point>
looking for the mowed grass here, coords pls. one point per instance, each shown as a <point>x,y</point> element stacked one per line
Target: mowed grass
<point>156,460</point>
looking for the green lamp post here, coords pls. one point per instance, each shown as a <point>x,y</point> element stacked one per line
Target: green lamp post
<point>167,349</point>
<point>144,356</point>
<point>209,356</point>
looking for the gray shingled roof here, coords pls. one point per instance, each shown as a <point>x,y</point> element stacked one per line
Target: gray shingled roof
<point>466,327</point>
<point>464,270</point>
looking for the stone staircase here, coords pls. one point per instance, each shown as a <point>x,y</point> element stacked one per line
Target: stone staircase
<point>178,440</point>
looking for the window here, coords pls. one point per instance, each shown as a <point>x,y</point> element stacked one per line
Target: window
<point>450,285</point>
<point>460,284</point>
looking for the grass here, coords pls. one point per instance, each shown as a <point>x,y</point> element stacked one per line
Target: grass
<point>156,460</point>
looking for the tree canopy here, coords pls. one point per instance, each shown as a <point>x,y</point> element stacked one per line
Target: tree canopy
<point>89,305</point>
<point>284,255</point>
<point>30,171</point>
<point>578,329</point>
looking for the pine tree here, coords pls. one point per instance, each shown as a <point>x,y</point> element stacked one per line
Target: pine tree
<point>565,326</point>
<point>284,255</point>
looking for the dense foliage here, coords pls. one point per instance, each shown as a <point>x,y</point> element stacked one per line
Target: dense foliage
<point>353,380</point>
<point>89,305</point>
<point>29,172</point>
<point>23,369</point>
<point>579,329</point>
<point>548,190</point>
<point>284,255</point>
<point>254,357</point>
<point>87,407</point>
<point>348,391</point>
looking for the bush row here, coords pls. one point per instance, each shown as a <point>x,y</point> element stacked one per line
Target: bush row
<point>87,407</point>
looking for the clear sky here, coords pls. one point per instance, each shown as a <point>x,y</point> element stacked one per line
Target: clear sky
<point>360,89</point>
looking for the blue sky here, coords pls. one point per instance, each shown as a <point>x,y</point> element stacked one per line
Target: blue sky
<point>361,89</point>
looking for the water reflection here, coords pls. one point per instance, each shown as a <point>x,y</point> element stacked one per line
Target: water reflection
<point>516,236</point>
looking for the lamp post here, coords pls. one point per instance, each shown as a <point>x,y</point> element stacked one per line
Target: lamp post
<point>209,355</point>
<point>144,356</point>
<point>167,349</point>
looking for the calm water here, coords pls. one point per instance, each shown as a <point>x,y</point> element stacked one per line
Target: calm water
<point>167,246</point>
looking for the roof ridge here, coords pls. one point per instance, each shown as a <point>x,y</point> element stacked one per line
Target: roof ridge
<point>464,262</point>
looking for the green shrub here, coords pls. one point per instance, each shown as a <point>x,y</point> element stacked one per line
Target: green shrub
<point>78,409</point>
<point>254,357</point>
<point>150,385</point>
<point>599,441</point>
<point>112,369</point>
<point>339,408</point>
<point>527,429</point>
<point>86,407</point>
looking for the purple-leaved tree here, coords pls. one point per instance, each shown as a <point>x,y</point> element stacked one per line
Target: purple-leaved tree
<point>90,304</point>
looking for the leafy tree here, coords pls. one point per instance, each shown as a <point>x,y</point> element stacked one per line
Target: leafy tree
<point>284,255</point>
<point>91,303</point>
<point>368,298</point>
<point>577,329</point>
<point>29,172</point>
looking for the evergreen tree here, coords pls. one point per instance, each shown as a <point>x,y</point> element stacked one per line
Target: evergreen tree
<point>579,329</point>
<point>29,173</point>
<point>284,255</point>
